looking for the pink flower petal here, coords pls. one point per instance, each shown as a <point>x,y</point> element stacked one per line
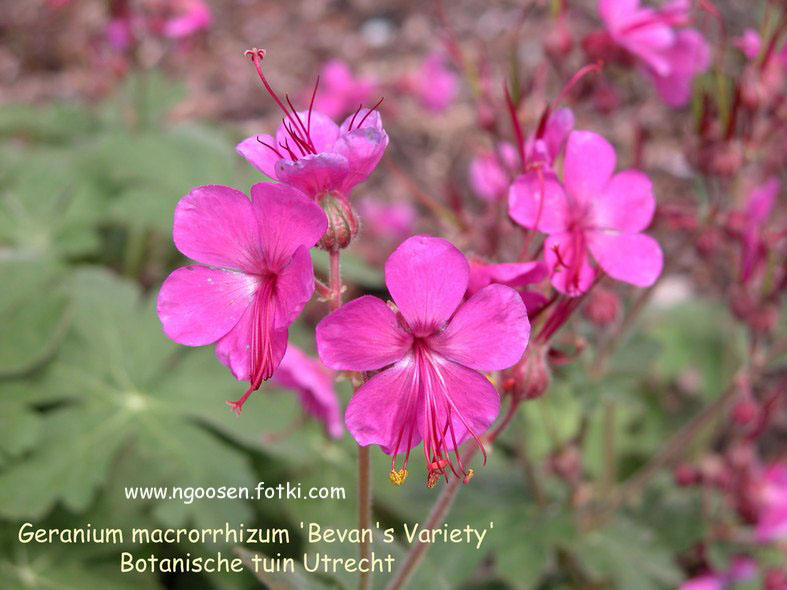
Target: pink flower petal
<point>631,258</point>
<point>427,278</point>
<point>198,305</point>
<point>363,148</point>
<point>616,13</point>
<point>687,57</point>
<point>525,206</point>
<point>626,204</point>
<point>473,400</point>
<point>589,164</point>
<point>489,179</point>
<point>576,279</point>
<point>382,412</point>
<point>286,219</point>
<point>489,332</point>
<point>233,349</point>
<point>294,288</point>
<point>513,274</point>
<point>215,225</point>
<point>362,335</point>
<point>559,125</point>
<point>261,157</point>
<point>314,385</point>
<point>314,174</point>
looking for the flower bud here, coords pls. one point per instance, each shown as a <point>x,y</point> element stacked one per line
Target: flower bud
<point>686,475</point>
<point>342,222</point>
<point>603,307</point>
<point>529,378</point>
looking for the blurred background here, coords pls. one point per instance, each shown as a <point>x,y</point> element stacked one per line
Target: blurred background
<point>638,469</point>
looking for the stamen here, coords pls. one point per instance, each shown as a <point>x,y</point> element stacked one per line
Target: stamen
<point>398,477</point>
<point>520,137</point>
<point>311,105</point>
<point>581,73</point>
<point>360,106</point>
<point>370,111</point>
<point>270,147</point>
<point>261,361</point>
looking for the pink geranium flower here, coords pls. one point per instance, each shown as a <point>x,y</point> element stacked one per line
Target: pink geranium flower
<point>671,58</point>
<point>256,275</point>
<point>742,568</point>
<point>313,383</point>
<point>388,220</point>
<point>593,211</point>
<point>314,154</point>
<point>191,16</point>
<point>431,352</point>
<point>749,43</point>
<point>435,84</point>
<point>340,91</point>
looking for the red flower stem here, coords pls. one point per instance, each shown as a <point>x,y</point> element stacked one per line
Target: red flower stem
<point>335,280</point>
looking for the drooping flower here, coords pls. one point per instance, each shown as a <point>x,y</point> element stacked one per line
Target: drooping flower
<point>314,154</point>
<point>593,211</point>
<point>431,352</point>
<point>435,84</point>
<point>671,58</point>
<point>190,17</point>
<point>313,383</point>
<point>254,278</point>
<point>340,91</point>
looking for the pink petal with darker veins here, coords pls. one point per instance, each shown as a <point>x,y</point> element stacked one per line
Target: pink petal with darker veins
<point>286,220</point>
<point>473,402</point>
<point>427,278</point>
<point>314,174</point>
<point>234,348</point>
<point>631,258</point>
<point>294,288</point>
<point>362,335</point>
<point>488,332</point>
<point>383,410</point>
<point>215,225</point>
<point>626,203</point>
<point>198,305</point>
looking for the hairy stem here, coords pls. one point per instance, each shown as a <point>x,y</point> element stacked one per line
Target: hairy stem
<point>335,281</point>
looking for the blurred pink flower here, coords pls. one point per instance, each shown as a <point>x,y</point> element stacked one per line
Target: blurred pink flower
<point>749,43</point>
<point>119,33</point>
<point>340,92</point>
<point>256,275</point>
<point>772,515</point>
<point>671,58</point>
<point>489,177</point>
<point>315,155</point>
<point>388,220</point>
<point>313,383</point>
<point>511,274</point>
<point>432,351</point>
<point>191,16</point>
<point>436,85</point>
<point>758,208</point>
<point>593,211</point>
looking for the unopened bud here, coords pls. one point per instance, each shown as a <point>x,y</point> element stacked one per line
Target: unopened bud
<point>603,306</point>
<point>529,378</point>
<point>342,222</point>
<point>686,475</point>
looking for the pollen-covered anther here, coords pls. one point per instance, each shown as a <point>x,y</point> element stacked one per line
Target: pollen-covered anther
<point>431,480</point>
<point>468,476</point>
<point>398,477</point>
